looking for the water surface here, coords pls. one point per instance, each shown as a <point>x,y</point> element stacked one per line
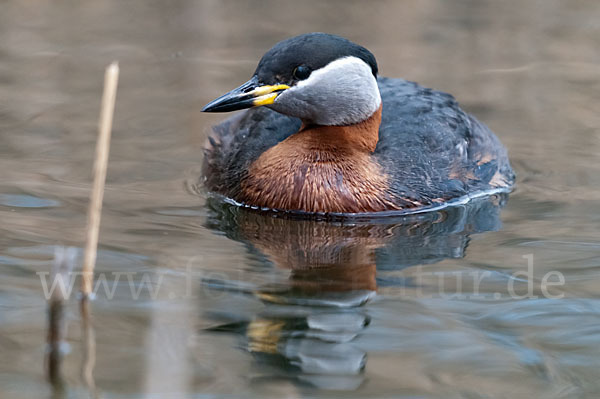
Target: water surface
<point>212,301</point>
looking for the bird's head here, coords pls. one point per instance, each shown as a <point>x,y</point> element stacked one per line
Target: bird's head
<point>320,78</point>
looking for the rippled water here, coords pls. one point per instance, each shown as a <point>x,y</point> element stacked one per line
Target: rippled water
<point>498,298</point>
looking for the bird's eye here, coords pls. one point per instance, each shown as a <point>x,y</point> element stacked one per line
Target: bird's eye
<point>302,72</point>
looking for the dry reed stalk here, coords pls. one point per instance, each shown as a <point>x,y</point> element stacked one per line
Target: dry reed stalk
<point>111,78</point>
<point>109,94</point>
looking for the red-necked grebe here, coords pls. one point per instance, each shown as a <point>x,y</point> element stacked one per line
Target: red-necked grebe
<point>326,134</point>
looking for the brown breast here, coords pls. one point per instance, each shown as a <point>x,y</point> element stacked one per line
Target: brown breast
<point>321,169</point>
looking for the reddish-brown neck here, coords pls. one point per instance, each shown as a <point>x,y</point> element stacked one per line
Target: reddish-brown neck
<point>362,136</point>
<point>321,169</point>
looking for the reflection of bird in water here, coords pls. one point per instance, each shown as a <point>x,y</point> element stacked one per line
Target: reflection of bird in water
<point>307,329</point>
<point>314,346</point>
<point>344,140</point>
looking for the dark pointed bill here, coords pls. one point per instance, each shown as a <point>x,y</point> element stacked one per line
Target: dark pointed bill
<point>248,95</point>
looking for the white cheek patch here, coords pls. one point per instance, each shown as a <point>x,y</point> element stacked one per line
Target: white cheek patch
<point>343,70</point>
<point>341,93</point>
